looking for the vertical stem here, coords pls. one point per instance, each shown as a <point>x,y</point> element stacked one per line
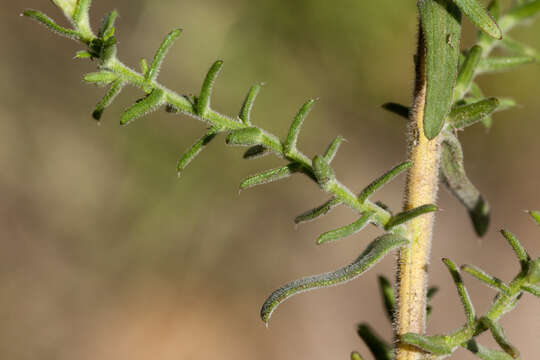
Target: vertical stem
<point>421,189</point>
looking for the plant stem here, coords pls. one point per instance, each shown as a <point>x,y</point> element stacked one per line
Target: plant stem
<point>421,189</point>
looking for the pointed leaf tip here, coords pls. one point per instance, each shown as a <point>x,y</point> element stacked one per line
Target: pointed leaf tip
<point>480,17</point>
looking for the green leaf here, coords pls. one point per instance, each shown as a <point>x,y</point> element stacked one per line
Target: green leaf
<point>502,63</point>
<point>371,255</point>
<point>485,353</point>
<point>109,97</point>
<point>152,73</point>
<point>500,338</point>
<point>317,212</point>
<point>203,103</point>
<point>466,115</point>
<point>480,17</point>
<point>347,230</point>
<point>83,54</point>
<point>144,67</point>
<point>323,172</point>
<point>51,25</point>
<point>255,152</point>
<point>268,176</point>
<point>106,30</point>
<point>143,107</point>
<point>456,180</point>
<point>245,137</point>
<point>292,138</point>
<point>81,18</point>
<point>398,109</point>
<point>101,77</point>
<point>532,289</point>
<point>380,349</point>
<point>519,250</point>
<point>245,112</point>
<point>435,344</point>
<point>518,48</point>
<point>533,275</point>
<point>383,180</point>
<point>487,279</point>
<point>466,72</point>
<point>430,294</point>
<point>519,13</point>
<point>441,25</point>
<point>408,215</point>
<point>333,148</point>
<point>462,291</point>
<point>388,296</point>
<point>536,216</point>
<point>356,356</point>
<point>195,150</point>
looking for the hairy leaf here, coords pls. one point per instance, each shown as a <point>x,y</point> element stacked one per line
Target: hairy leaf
<point>519,250</point>
<point>500,338</point>
<point>466,72</point>
<point>143,107</point>
<point>380,349</point>
<point>466,115</point>
<point>456,180</point>
<point>195,150</point>
<point>485,353</point>
<point>153,71</point>
<point>435,344</point>
<point>268,176</point>
<point>462,291</point>
<point>503,63</point>
<point>347,230</point>
<point>441,25</point>
<point>49,23</point>
<point>112,93</point>
<point>480,17</point>
<point>484,277</point>
<point>408,215</point>
<point>383,180</point>
<point>373,253</point>
<point>292,138</point>
<point>203,102</point>
<point>245,112</point>
<point>318,211</point>
<point>333,148</point>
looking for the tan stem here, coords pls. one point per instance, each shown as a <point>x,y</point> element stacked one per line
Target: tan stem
<point>421,189</point>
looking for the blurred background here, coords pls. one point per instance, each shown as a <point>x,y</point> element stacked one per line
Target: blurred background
<point>106,254</point>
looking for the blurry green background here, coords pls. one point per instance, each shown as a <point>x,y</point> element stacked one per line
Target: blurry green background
<point>106,254</point>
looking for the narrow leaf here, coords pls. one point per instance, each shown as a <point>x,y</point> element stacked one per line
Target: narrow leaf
<point>388,296</point>
<point>51,25</point>
<point>408,215</point>
<point>380,349</point>
<point>520,13</point>
<point>145,106</point>
<point>462,291</point>
<point>144,67</point>
<point>109,97</point>
<point>480,17</point>
<point>203,103</point>
<point>500,338</point>
<point>430,294</point>
<point>518,48</point>
<point>333,149</point>
<point>520,251</point>
<point>347,230</point>
<point>441,25</point>
<point>466,115</point>
<point>435,344</point>
<point>535,215</point>
<point>292,138</point>
<point>532,289</point>
<point>383,180</point>
<point>83,54</point>
<point>502,63</point>
<point>106,30</point>
<point>371,255</point>
<point>101,77</point>
<point>152,73</point>
<point>323,172</point>
<point>255,152</point>
<point>81,17</point>
<point>195,150</point>
<point>484,277</point>
<point>485,353</point>
<point>245,112</point>
<point>318,211</point>
<point>269,176</point>
<point>398,109</point>
<point>456,180</point>
<point>466,72</point>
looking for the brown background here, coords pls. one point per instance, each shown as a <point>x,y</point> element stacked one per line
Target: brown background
<point>105,254</point>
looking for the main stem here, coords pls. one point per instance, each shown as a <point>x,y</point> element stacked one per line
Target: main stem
<point>421,189</point>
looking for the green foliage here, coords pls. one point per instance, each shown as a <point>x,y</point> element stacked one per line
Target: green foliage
<point>453,102</point>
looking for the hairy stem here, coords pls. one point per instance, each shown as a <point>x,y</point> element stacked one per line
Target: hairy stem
<point>421,188</point>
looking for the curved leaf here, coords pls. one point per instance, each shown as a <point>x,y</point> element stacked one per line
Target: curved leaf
<point>371,255</point>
